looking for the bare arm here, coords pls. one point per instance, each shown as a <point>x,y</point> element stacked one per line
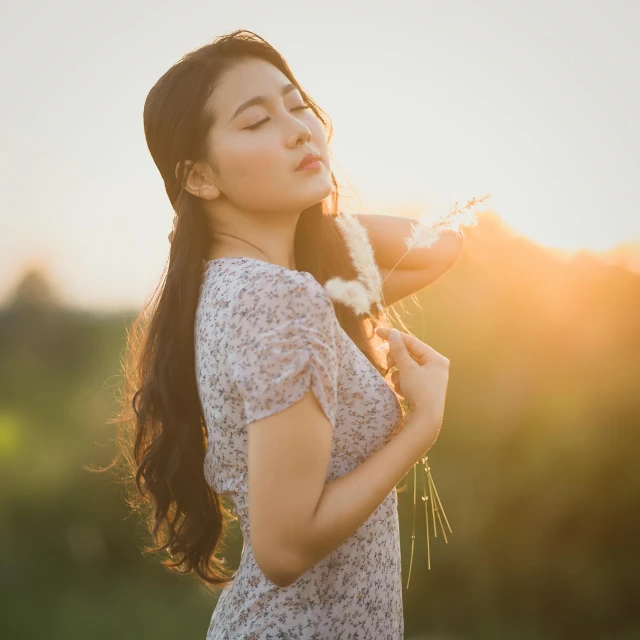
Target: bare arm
<point>387,235</point>
<point>418,268</point>
<point>347,502</point>
<point>295,517</point>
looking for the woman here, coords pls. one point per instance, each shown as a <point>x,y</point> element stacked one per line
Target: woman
<point>249,384</point>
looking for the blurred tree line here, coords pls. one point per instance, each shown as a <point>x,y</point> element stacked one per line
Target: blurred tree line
<point>535,463</point>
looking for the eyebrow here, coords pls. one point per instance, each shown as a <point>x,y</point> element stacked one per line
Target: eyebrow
<point>261,100</point>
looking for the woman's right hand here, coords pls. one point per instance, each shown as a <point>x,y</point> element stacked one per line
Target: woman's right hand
<point>421,378</point>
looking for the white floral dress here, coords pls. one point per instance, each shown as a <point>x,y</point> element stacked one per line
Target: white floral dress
<point>264,334</point>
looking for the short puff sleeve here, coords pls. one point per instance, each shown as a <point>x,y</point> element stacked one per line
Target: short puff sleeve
<point>283,338</point>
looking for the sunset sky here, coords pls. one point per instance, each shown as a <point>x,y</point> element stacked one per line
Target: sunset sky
<point>431,102</point>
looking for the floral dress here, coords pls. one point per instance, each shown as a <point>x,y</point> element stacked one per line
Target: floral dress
<point>264,335</point>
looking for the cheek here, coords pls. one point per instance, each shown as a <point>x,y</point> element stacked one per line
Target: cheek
<point>251,158</point>
<point>256,173</point>
<point>257,170</point>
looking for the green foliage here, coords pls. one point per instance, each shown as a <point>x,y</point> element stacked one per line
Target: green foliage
<point>535,464</point>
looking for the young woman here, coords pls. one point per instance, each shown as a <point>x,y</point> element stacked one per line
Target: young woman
<point>250,385</point>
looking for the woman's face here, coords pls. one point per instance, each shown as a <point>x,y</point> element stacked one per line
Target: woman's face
<point>257,148</point>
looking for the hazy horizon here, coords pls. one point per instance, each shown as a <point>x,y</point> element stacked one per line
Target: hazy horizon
<point>430,104</point>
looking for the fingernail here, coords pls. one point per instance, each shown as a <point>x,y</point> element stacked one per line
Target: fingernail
<point>394,335</point>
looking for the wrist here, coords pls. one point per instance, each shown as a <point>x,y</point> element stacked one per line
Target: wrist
<point>424,424</point>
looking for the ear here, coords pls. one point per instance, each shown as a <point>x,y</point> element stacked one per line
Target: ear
<point>200,180</point>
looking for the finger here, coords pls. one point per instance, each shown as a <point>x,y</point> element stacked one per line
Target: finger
<point>390,361</point>
<point>419,351</point>
<point>395,380</point>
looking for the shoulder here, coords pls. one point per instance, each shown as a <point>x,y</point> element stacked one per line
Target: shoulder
<point>283,290</point>
<point>282,309</point>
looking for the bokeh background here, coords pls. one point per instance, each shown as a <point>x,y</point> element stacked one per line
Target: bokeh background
<point>431,103</point>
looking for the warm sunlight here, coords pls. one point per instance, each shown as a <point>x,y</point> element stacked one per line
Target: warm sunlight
<point>416,420</point>
<point>429,107</point>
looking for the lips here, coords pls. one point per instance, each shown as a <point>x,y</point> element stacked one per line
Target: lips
<point>308,159</point>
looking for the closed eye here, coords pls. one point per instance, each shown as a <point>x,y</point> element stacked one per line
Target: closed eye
<point>257,124</point>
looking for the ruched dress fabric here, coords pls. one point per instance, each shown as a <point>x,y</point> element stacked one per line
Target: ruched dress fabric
<point>264,335</point>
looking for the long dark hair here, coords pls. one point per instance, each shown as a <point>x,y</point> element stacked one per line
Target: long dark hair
<point>162,436</point>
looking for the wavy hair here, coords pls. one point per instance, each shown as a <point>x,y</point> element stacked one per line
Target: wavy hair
<point>162,435</point>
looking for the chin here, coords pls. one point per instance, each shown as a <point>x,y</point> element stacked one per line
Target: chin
<point>318,191</point>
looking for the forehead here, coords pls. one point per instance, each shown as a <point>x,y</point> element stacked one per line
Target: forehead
<point>245,80</point>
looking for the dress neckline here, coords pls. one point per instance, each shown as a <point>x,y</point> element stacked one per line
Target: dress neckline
<point>208,263</point>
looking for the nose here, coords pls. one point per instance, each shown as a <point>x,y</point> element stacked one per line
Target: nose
<point>300,133</point>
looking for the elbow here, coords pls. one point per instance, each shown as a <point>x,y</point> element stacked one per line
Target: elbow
<point>284,580</point>
<point>284,577</point>
<point>453,246</point>
<point>452,254</point>
<point>282,572</point>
